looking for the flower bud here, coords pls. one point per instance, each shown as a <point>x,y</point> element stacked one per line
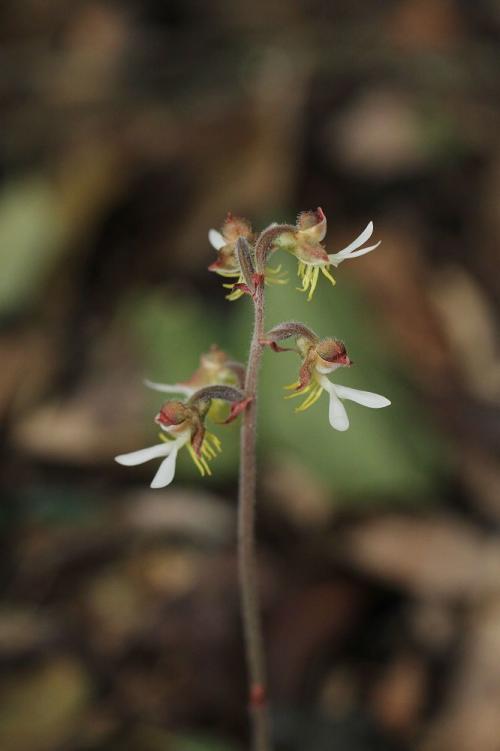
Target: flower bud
<point>245,255</point>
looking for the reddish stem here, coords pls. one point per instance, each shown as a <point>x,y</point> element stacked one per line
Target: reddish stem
<point>250,610</point>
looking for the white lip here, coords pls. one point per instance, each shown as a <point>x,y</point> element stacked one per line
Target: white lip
<point>337,414</point>
<point>324,369</point>
<point>166,470</point>
<point>173,429</point>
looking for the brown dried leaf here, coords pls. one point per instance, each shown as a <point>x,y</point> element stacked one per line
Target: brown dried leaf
<point>431,557</point>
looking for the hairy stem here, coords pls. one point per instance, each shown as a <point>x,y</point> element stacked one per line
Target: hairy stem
<point>265,245</point>
<point>250,610</point>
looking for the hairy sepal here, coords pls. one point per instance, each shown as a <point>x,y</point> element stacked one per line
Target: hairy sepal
<point>244,253</point>
<point>225,393</point>
<point>288,330</point>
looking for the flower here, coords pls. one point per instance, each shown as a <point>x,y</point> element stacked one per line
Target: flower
<point>337,414</point>
<point>184,425</point>
<point>227,263</point>
<point>304,242</point>
<point>319,358</point>
<point>224,242</point>
<point>216,367</point>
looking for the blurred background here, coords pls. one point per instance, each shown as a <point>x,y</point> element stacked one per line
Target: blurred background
<point>127,130</point>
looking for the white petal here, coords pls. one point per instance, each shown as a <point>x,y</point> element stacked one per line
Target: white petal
<point>362,251</point>
<point>336,258</point>
<point>215,239</point>
<point>144,455</point>
<point>366,398</point>
<point>361,239</point>
<point>336,412</point>
<point>174,388</point>
<point>166,471</point>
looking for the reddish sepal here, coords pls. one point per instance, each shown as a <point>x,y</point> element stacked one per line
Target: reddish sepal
<point>243,287</point>
<point>274,346</point>
<point>197,439</point>
<point>304,376</point>
<point>237,409</point>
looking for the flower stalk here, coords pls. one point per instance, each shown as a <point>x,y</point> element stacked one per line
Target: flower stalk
<point>250,609</point>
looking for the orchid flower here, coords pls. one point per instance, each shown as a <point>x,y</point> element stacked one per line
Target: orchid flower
<point>184,425</point>
<point>168,449</point>
<point>216,367</point>
<point>227,263</point>
<point>319,358</point>
<point>304,242</point>
<point>224,242</point>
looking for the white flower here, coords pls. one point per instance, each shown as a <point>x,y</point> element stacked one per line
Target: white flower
<point>351,251</point>
<point>337,413</point>
<point>168,449</point>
